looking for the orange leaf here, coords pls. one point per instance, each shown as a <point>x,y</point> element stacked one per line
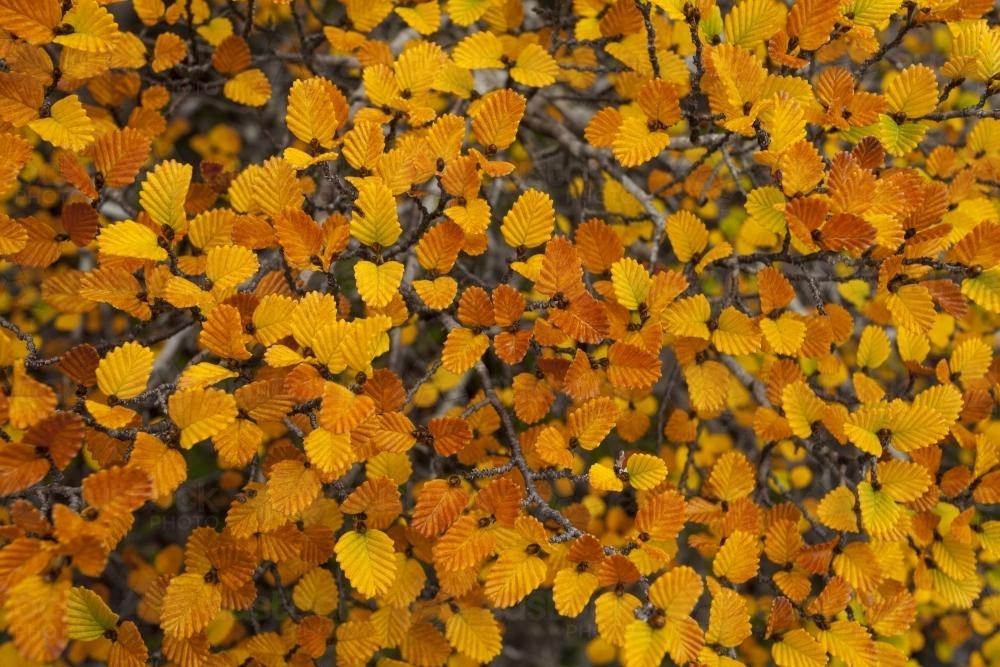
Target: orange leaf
<point>378,499</point>
<point>462,349</point>
<point>439,503</point>
<point>632,367</point>
<point>189,605</point>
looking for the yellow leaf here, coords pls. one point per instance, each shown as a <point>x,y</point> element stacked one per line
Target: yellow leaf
<point>93,28</point>
<point>685,640</point>
<point>271,318</point>
<point>530,221</point>
<point>125,370</point>
<point>873,347</point>
<point>163,194</point>
<point>738,559</point>
<point>635,144</point>
<point>849,642</point>
<point>165,467</point>
<point>572,590</point>
<point>552,447</point>
<point>378,283</point>
<point>802,407</point>
<point>249,87</point>
<point>364,145</point>
<point>316,591</point>
<point>330,452</point>
<point>837,510</point>
<point>677,592</point>
<point>534,67</point>
<point>514,575</point>
<point>871,13</point>
<point>687,234</point>
<point>645,646</point>
<point>357,642</point>
<point>689,317</point>
<point>131,239</point>
<point>736,333</point>
<point>915,426</point>
<point>480,50</point>
<point>955,558</point>
<point>785,123</point>
<point>474,633</point>
<point>229,265</point>
<point>66,126</point>
<point>798,648</point>
<point>912,308</point>
<point>613,613</point>
<point>945,399</point>
<point>201,413</point>
<point>87,615</point>
<point>971,359</point>
<point>424,17</point>
<point>729,618</point>
<point>863,427</point>
<point>466,12</point>
<point>301,160</point>
<point>708,385</point>
<point>752,22</point>
<point>315,110</point>
<point>913,92</point>
<point>368,560</point>
<point>903,481</point>
<point>409,580</point>
<point>880,515</point>
<point>30,401</point>
<point>631,282</point>
<point>13,237</point>
<point>898,138</point>
<point>438,293</point>
<point>732,477</point>
<point>893,615</point>
<point>603,478</point>
<point>785,335</point>
<point>375,221</point>
<point>645,471</point>
<point>984,289</point>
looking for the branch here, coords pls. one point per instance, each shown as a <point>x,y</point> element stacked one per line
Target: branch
<point>25,338</point>
<point>539,121</point>
<point>646,11</point>
<point>532,497</point>
<point>891,44</point>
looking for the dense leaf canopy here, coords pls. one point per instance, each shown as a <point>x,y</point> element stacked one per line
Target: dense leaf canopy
<point>339,332</point>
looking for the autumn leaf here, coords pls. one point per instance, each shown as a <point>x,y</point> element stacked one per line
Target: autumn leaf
<point>367,560</point>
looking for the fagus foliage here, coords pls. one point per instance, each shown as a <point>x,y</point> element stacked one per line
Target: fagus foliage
<point>680,315</point>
